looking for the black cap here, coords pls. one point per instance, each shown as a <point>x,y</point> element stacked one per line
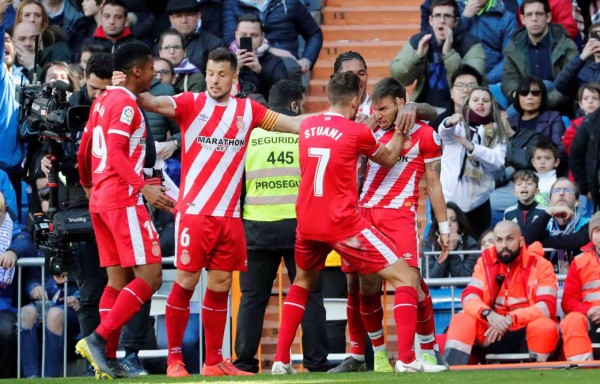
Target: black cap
<point>175,6</point>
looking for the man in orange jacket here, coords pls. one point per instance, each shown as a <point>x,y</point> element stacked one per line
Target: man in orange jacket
<point>510,304</point>
<point>581,299</point>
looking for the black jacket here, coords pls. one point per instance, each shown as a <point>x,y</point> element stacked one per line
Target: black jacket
<point>536,219</point>
<point>583,159</point>
<point>198,45</point>
<point>272,71</point>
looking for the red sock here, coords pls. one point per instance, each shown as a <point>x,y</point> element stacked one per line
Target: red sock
<point>107,301</point>
<point>405,314</point>
<point>214,317</point>
<point>356,328</point>
<point>128,303</point>
<point>425,320</point>
<point>177,315</point>
<point>372,317</point>
<point>291,316</point>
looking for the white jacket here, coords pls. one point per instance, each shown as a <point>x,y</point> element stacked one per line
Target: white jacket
<point>468,193</point>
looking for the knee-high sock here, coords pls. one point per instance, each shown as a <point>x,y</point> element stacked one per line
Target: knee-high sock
<point>405,314</point>
<point>356,328</point>
<point>214,317</point>
<point>425,321</point>
<point>291,316</point>
<point>128,303</point>
<point>372,318</point>
<point>177,315</point>
<point>107,301</point>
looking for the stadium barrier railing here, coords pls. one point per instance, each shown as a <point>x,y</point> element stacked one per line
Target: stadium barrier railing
<point>335,306</point>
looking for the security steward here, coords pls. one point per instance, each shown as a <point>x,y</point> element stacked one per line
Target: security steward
<point>272,177</point>
<point>581,299</point>
<point>510,304</point>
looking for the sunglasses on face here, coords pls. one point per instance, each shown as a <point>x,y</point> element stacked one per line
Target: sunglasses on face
<point>525,92</point>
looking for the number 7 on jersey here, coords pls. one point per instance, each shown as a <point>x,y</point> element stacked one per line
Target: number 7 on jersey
<point>322,154</point>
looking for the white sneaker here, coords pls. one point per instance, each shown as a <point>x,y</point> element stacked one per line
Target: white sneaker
<point>418,366</point>
<point>280,368</point>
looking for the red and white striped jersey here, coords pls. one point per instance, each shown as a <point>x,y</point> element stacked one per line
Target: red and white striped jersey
<point>113,150</point>
<point>399,186</point>
<point>214,138</point>
<point>366,107</point>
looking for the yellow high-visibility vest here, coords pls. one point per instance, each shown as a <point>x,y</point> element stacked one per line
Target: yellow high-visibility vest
<point>272,176</point>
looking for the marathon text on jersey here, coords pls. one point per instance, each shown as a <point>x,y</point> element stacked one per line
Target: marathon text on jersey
<point>221,144</point>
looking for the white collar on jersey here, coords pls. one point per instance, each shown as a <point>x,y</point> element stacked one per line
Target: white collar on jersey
<point>215,102</point>
<point>123,88</point>
<point>328,113</point>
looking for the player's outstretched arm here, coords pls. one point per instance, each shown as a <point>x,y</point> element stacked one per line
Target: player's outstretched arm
<point>162,105</point>
<point>438,203</point>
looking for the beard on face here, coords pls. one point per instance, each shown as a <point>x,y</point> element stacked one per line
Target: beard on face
<point>507,256</point>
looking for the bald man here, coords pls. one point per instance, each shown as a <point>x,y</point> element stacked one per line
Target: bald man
<point>510,304</point>
<point>24,36</point>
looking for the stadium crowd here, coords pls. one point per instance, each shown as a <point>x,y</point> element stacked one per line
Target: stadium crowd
<point>500,127</point>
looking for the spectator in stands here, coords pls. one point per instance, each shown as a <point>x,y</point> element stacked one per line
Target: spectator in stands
<point>265,252</point>
<point>212,16</point>
<point>11,149</point>
<point>187,76</point>
<point>531,103</point>
<point>474,146</point>
<point>583,161</point>
<point>486,239</point>
<point>165,72</point>
<point>32,11</point>
<point>450,265</point>
<point>86,52</point>
<point>431,58</point>
<point>93,18</point>
<point>540,48</point>
<point>10,56</point>
<point>112,31</point>
<point>510,304</point>
<point>489,21</point>
<point>463,81</point>
<point>581,300</point>
<point>14,244</point>
<point>52,46</point>
<point>583,68</point>
<point>141,20</point>
<point>257,67</point>
<point>589,100</point>
<point>185,16</point>
<point>563,228</point>
<point>544,158</point>
<point>49,298</point>
<point>283,22</point>
<point>527,210</point>
<point>68,17</point>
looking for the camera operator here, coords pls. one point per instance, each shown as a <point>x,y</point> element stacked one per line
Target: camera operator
<point>91,278</point>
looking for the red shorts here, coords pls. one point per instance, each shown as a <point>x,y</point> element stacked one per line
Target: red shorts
<point>210,242</point>
<point>400,226</point>
<point>368,251</point>
<point>126,237</point>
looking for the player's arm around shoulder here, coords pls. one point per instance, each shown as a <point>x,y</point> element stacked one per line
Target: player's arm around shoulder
<point>290,124</point>
<point>163,105</point>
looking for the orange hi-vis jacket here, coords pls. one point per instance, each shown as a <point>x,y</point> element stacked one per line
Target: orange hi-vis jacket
<point>582,286</point>
<point>528,291</point>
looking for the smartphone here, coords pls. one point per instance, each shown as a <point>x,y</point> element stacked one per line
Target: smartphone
<point>595,35</point>
<point>246,43</point>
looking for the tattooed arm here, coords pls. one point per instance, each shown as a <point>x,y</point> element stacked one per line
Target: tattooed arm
<point>438,204</point>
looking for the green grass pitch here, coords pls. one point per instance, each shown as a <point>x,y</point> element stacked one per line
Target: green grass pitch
<point>556,376</point>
